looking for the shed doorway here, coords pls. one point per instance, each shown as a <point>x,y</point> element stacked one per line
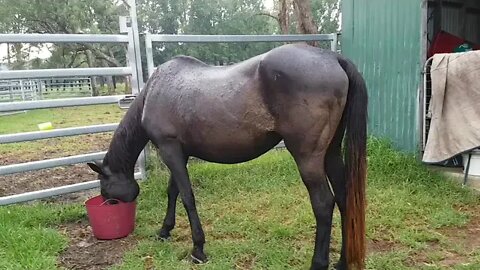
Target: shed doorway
<point>451,26</point>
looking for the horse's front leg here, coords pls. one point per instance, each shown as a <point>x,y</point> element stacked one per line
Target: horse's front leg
<point>176,161</point>
<point>169,221</point>
<point>313,175</point>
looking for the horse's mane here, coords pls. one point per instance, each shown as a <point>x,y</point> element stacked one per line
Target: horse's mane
<point>128,139</point>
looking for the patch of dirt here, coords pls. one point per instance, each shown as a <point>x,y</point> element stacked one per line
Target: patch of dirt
<point>461,243</point>
<point>378,246</point>
<point>245,262</point>
<point>86,252</point>
<point>467,235</point>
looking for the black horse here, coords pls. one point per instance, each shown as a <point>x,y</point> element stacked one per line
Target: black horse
<point>306,96</point>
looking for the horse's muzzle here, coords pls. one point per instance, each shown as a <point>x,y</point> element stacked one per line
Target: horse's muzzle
<point>125,191</point>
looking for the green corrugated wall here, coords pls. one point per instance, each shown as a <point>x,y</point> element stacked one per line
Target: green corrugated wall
<point>383,38</point>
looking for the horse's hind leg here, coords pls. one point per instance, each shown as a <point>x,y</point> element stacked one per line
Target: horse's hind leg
<point>308,141</point>
<point>308,148</point>
<point>335,168</point>
<point>169,221</point>
<point>174,158</point>
<point>313,175</point>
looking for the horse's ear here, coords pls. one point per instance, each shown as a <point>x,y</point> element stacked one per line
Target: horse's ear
<point>96,167</point>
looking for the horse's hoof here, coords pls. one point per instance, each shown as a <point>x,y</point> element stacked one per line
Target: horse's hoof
<point>196,260</point>
<point>317,266</point>
<point>199,257</point>
<point>163,236</point>
<point>163,239</point>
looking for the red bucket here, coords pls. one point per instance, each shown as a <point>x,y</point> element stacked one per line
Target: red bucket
<point>110,221</point>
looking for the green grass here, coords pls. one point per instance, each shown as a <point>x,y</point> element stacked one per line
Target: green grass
<point>257,215</point>
<point>28,239</point>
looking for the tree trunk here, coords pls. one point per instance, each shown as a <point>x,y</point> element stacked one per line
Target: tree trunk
<point>110,85</point>
<point>9,56</point>
<point>127,85</point>
<point>93,79</point>
<point>305,22</point>
<point>283,17</point>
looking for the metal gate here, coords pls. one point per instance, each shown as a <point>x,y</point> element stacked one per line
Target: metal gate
<point>133,69</point>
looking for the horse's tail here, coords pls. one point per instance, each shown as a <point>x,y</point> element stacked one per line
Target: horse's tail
<point>355,115</point>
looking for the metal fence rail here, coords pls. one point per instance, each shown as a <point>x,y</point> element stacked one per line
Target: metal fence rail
<point>150,39</point>
<point>50,192</point>
<point>49,163</point>
<point>63,132</point>
<point>63,38</point>
<point>66,72</point>
<point>56,103</point>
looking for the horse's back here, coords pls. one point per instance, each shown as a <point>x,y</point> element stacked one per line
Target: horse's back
<point>209,108</point>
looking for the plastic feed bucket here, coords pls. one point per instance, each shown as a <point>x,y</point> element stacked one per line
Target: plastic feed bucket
<point>110,221</point>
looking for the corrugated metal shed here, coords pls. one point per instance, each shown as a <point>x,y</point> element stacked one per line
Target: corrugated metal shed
<point>383,38</point>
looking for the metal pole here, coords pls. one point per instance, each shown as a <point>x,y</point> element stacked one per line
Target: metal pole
<point>334,42</point>
<point>149,54</point>
<point>136,42</point>
<point>132,62</point>
<point>467,169</point>
<point>137,65</point>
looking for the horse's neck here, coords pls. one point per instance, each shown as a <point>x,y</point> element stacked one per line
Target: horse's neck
<point>128,140</point>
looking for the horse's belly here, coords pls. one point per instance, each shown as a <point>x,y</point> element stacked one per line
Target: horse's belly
<point>231,147</point>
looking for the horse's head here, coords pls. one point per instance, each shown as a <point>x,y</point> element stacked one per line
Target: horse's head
<point>118,186</point>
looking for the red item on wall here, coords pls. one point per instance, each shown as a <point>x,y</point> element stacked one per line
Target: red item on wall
<point>445,42</point>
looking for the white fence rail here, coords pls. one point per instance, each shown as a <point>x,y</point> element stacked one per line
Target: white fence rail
<point>150,39</point>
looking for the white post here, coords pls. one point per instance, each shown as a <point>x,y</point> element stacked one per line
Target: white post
<point>149,54</point>
<point>136,43</point>
<point>334,42</point>
<point>135,61</point>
